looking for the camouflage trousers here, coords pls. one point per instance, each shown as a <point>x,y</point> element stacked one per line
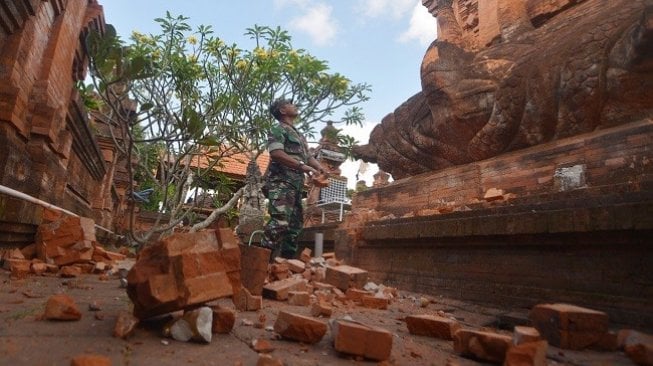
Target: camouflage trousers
<point>286,218</point>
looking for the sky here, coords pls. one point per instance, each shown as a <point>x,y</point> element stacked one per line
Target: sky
<point>378,42</point>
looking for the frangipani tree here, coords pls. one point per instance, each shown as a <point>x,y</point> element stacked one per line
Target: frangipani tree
<point>182,94</point>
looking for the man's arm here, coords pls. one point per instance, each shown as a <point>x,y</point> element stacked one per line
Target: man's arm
<point>280,156</point>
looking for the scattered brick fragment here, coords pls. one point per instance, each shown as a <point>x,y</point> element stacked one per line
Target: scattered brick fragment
<point>299,298</point>
<point>299,328</point>
<point>223,320</point>
<point>529,353</point>
<point>523,334</point>
<point>484,345</point>
<point>432,326</point>
<point>362,340</point>
<point>569,326</point>
<point>344,277</point>
<point>125,325</point>
<point>279,290</point>
<point>62,307</point>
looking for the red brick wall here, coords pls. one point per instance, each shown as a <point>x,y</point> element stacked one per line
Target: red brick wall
<point>47,149</point>
<point>592,245</point>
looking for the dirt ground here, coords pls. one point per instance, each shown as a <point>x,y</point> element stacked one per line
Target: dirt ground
<point>26,339</point>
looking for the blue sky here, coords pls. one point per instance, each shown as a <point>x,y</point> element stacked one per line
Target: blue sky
<point>379,42</point>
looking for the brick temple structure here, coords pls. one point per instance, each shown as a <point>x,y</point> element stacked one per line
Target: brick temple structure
<point>50,149</point>
<point>524,169</point>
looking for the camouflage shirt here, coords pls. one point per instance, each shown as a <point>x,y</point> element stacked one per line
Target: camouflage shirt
<point>285,137</point>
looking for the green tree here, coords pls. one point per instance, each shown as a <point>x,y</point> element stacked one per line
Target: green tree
<point>182,94</point>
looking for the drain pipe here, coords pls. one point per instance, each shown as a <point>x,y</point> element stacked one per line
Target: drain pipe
<point>14,193</point>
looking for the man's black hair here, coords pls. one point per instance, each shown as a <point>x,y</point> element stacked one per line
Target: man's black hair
<point>275,107</point>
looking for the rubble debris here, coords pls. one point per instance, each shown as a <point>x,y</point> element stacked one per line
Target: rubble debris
<point>523,334</point>
<point>67,240</point>
<point>432,326</point>
<point>361,340</point>
<point>374,302</point>
<point>295,265</point>
<point>183,270</point>
<point>267,360</point>
<point>569,326</point>
<point>528,353</point>
<point>356,295</point>
<point>484,345</point>
<point>90,360</point>
<point>279,290</point>
<point>125,325</point>
<point>493,194</point>
<point>70,271</point>
<point>344,277</point>
<point>62,307</point>
<point>223,320</point>
<point>320,308</point>
<point>299,298</point>
<point>305,255</point>
<point>299,327</point>
<point>245,301</point>
<point>262,345</point>
<point>637,346</point>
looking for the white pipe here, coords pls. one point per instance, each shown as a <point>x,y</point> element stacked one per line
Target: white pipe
<point>319,245</point>
<point>14,193</point>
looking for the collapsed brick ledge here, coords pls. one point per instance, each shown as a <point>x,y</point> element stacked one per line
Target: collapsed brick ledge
<point>568,213</point>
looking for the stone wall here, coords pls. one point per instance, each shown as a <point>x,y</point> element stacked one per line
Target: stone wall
<point>567,221</point>
<point>48,148</point>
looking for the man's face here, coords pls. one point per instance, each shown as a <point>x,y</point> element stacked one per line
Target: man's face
<point>289,110</point>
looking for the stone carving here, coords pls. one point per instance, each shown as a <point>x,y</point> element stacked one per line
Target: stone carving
<point>548,73</point>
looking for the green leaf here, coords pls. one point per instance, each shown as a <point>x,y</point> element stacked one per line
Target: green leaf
<point>146,106</point>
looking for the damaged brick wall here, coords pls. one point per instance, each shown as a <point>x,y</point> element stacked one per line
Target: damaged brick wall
<point>569,220</point>
<point>47,148</point>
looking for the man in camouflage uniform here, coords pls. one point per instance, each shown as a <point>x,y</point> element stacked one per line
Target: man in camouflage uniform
<point>284,180</point>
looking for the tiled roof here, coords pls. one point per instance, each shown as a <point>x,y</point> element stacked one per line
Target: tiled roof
<point>234,165</point>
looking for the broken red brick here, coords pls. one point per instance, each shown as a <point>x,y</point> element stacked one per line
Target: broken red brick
<point>262,345</point>
<point>362,340</point>
<point>299,328</point>
<point>493,194</point>
<point>29,252</point>
<point>321,309</point>
<point>569,326</point>
<point>90,360</point>
<point>344,277</point>
<point>62,307</point>
<point>125,325</point>
<point>267,360</point>
<point>305,255</point>
<point>530,353</point>
<point>20,268</point>
<point>279,290</point>
<point>38,268</point>
<point>432,326</point>
<point>373,302</point>
<point>295,265</point>
<point>637,346</point>
<point>182,270</point>
<point>523,334</point>
<point>279,271</point>
<point>70,271</point>
<point>299,298</point>
<point>355,294</point>
<point>223,320</point>
<point>484,345</point>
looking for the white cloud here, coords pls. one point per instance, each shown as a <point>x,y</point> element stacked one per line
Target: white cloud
<point>318,22</point>
<point>378,8</point>
<point>423,26</point>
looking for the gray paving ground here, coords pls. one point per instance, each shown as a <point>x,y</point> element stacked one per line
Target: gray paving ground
<point>25,339</point>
